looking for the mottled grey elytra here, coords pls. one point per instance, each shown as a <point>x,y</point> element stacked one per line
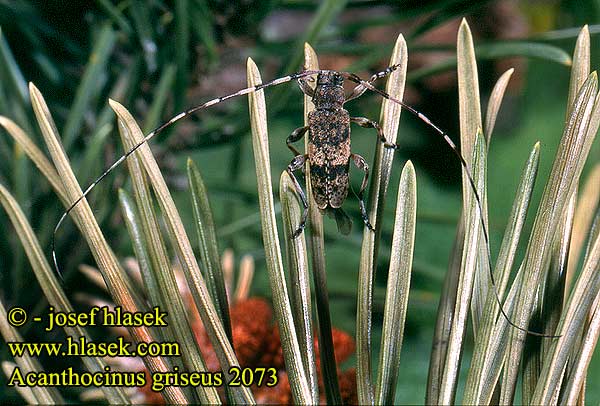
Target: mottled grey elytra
<point>329,153</point>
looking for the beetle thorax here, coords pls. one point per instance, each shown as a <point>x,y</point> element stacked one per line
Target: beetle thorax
<point>329,93</point>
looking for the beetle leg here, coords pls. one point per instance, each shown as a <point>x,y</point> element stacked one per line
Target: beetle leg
<point>366,123</point>
<point>306,88</point>
<point>298,163</point>
<point>296,135</point>
<point>361,164</point>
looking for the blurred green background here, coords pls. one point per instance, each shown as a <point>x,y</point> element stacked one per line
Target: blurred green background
<point>158,57</point>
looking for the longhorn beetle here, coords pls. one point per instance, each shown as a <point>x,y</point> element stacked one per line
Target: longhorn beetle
<point>328,152</point>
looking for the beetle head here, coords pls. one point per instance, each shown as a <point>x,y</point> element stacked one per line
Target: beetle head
<point>329,93</point>
<point>330,78</point>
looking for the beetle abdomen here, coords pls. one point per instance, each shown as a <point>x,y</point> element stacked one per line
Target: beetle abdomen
<point>329,156</point>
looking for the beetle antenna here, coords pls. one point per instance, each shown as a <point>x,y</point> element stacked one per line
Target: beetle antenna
<point>157,131</point>
<point>356,79</point>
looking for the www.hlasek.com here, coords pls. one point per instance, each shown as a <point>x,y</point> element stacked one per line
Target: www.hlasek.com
<point>84,347</point>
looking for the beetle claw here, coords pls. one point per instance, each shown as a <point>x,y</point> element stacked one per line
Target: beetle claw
<point>364,215</point>
<point>368,224</point>
<point>298,231</point>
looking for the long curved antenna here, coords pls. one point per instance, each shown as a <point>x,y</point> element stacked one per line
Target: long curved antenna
<point>157,131</point>
<point>354,78</point>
